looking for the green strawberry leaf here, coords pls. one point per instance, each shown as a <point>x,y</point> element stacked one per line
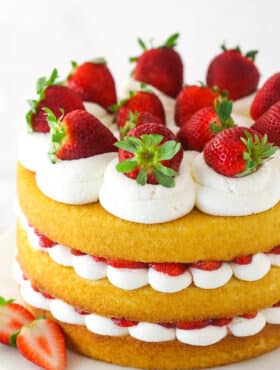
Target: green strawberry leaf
<point>127,165</point>
<point>166,170</point>
<point>142,177</point>
<point>4,302</point>
<point>171,42</point>
<point>252,54</point>
<point>13,339</point>
<point>164,180</point>
<point>142,44</point>
<point>168,150</point>
<point>57,133</point>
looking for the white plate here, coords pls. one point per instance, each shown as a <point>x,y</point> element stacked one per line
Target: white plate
<point>11,360</point>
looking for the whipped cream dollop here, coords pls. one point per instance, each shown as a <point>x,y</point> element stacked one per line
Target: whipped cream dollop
<point>240,120</point>
<point>76,181</point>
<point>102,114</point>
<point>147,204</point>
<point>146,331</point>
<point>167,102</point>
<point>242,106</point>
<point>227,196</point>
<point>256,270</point>
<point>33,149</point>
<point>211,279</point>
<point>165,283</point>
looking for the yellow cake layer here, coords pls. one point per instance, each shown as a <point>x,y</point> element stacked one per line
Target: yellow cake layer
<point>196,236</point>
<point>145,304</point>
<point>128,351</point>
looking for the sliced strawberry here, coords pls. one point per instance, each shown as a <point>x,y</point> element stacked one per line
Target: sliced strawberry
<point>81,311</point>
<point>207,265</point>
<point>160,67</point>
<point>168,325</point>
<point>221,322</point>
<point>243,260</point>
<point>172,269</point>
<point>44,241</point>
<point>234,72</point>
<point>275,250</point>
<point>150,154</point>
<point>76,252</point>
<point>250,315</point>
<point>190,325</point>
<point>78,135</point>
<point>94,82</point>
<point>12,317</point>
<point>99,259</point>
<point>266,96</point>
<point>124,323</point>
<point>43,343</point>
<point>238,151</point>
<point>123,264</point>
<point>47,295</point>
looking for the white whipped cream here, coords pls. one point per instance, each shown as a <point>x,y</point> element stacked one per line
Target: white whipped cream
<point>126,278</point>
<point>243,121</point>
<point>17,274</point>
<point>86,267</point>
<point>147,204</point>
<point>202,337</point>
<point>62,311</point>
<point>211,279</point>
<point>32,297</point>
<point>149,332</point>
<point>33,149</point>
<point>272,315</point>
<point>74,181</point>
<point>274,259</point>
<point>242,327</point>
<point>167,102</point>
<point>104,326</point>
<point>227,196</point>
<point>168,284</point>
<point>61,255</point>
<point>242,106</point>
<point>256,270</point>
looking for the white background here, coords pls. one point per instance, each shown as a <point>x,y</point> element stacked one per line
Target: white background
<point>37,35</point>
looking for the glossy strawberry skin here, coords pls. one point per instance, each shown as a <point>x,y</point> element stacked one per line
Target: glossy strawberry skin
<point>266,96</point>
<point>142,101</point>
<point>146,117</point>
<point>152,128</point>
<point>224,153</point>
<point>269,123</point>
<point>94,83</point>
<point>190,100</point>
<point>171,269</point>
<point>57,97</point>
<point>126,264</point>
<point>161,68</point>
<point>207,265</point>
<point>86,136</point>
<point>233,72</point>
<point>196,132</point>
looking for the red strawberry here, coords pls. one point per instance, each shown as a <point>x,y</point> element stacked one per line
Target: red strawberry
<point>269,123</point>
<point>44,241</point>
<point>221,322</point>
<point>12,317</point>
<point>267,95</point>
<point>190,325</point>
<point>205,124</point>
<point>99,259</point>
<point>250,315</point>
<point>191,99</point>
<point>275,250</point>
<point>81,311</point>
<point>124,323</point>
<point>234,72</point>
<point>238,151</point>
<point>123,264</point>
<point>140,101</point>
<point>94,82</point>
<point>207,265</point>
<point>78,135</point>
<point>168,325</point>
<point>76,252</point>
<point>172,269</point>
<point>53,96</point>
<point>136,119</point>
<point>160,67</point>
<point>243,260</point>
<point>42,342</point>
<point>276,304</point>
<point>150,153</point>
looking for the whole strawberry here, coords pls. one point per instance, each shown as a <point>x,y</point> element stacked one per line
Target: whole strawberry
<point>94,82</point>
<point>137,119</point>
<point>140,101</point>
<point>53,95</point>
<point>238,151</point>
<point>269,123</point>
<point>150,154</point>
<point>266,96</point>
<point>205,124</point>
<point>160,67</point>
<point>235,72</point>
<point>191,99</point>
<point>78,135</point>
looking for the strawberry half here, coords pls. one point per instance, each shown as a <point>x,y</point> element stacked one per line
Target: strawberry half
<point>191,99</point>
<point>94,82</point>
<point>160,67</point>
<point>205,124</point>
<point>172,269</point>
<point>266,96</point>
<point>150,154</point>
<point>234,72</point>
<point>42,342</point>
<point>12,317</point>
<point>238,151</point>
<point>78,135</point>
<point>269,124</point>
<point>53,95</point>
<point>138,119</point>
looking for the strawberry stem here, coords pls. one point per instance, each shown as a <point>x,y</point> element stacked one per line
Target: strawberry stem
<point>223,108</point>
<point>130,123</point>
<point>4,302</point>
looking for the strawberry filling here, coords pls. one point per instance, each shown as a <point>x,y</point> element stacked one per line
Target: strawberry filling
<point>275,250</point>
<point>191,325</point>
<point>207,265</point>
<point>123,264</point>
<point>172,269</point>
<point>99,259</point>
<point>250,315</point>
<point>76,252</point>
<point>243,260</point>
<point>44,241</point>
<point>81,311</point>
<point>168,325</point>
<point>221,322</point>
<point>124,323</point>
<point>276,304</point>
